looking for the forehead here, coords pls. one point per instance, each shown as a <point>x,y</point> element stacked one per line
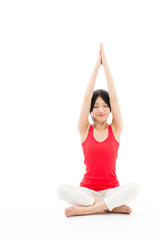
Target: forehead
<point>99,100</point>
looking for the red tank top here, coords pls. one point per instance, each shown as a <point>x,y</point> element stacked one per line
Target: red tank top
<point>100,161</point>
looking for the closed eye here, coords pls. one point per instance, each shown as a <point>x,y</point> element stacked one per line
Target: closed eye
<point>96,107</point>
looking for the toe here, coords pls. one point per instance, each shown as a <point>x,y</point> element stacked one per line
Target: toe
<point>66,214</point>
<point>128,210</point>
<point>68,209</point>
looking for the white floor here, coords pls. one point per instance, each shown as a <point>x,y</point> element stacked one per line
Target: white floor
<point>51,223</point>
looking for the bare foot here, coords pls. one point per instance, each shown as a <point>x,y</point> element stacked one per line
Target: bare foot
<point>82,210</point>
<point>121,209</point>
<point>75,210</point>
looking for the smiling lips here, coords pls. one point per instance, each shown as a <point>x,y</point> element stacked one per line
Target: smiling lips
<point>100,115</point>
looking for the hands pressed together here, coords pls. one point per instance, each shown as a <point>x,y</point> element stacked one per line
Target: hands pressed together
<point>101,59</point>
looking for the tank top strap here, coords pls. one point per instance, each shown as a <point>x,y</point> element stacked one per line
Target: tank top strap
<point>90,127</point>
<point>110,130</point>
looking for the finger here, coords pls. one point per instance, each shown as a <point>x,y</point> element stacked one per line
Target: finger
<point>102,51</point>
<point>101,45</point>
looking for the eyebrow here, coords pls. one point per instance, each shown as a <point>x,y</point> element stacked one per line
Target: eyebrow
<point>98,103</point>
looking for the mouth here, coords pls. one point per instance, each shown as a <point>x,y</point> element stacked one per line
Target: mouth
<point>101,115</point>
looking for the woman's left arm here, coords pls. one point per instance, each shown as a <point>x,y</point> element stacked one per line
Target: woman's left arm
<point>115,108</point>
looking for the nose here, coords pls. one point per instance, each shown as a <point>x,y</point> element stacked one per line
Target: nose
<point>101,111</point>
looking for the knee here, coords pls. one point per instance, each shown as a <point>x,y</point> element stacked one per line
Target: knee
<point>136,188</point>
<point>61,188</point>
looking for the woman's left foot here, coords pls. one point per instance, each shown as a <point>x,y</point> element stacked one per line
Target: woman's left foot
<point>121,209</point>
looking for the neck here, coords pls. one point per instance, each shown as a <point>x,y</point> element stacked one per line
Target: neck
<point>100,126</point>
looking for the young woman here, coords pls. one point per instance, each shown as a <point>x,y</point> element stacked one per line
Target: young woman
<point>99,189</point>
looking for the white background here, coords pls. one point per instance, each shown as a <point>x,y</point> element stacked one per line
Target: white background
<point>48,50</point>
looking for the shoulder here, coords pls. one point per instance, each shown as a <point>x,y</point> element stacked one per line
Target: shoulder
<point>90,126</point>
<point>86,129</point>
<point>116,132</point>
<point>115,128</point>
<point>85,133</point>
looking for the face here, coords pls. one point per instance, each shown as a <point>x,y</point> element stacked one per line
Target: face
<point>100,110</point>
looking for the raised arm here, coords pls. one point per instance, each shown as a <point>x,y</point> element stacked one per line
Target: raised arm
<point>83,122</point>
<point>115,108</point>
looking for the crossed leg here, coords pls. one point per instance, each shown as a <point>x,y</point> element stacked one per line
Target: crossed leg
<point>98,206</point>
<point>113,201</point>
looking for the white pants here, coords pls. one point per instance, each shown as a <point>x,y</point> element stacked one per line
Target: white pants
<point>113,197</point>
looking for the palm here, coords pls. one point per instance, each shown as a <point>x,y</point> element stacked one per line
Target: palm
<point>104,60</point>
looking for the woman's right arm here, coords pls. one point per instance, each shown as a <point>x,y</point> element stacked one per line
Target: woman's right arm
<point>83,122</point>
